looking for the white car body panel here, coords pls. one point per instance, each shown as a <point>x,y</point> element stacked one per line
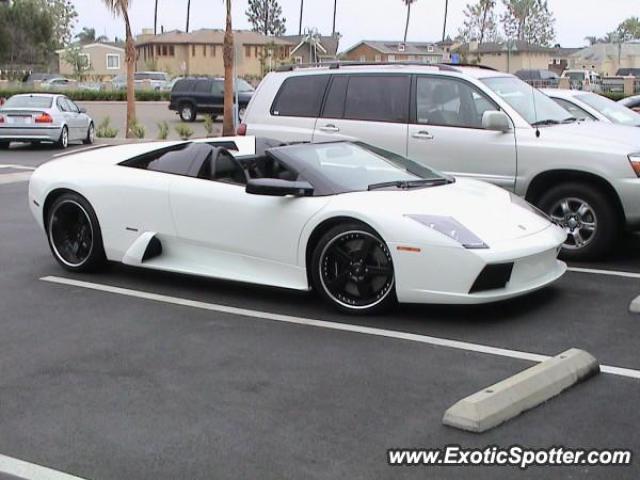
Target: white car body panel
<point>215,229</point>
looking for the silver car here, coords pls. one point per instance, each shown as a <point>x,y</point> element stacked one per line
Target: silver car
<point>44,118</point>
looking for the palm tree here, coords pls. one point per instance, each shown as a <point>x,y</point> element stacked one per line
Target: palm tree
<point>121,8</point>
<point>406,28</point>
<point>88,35</point>
<point>227,55</point>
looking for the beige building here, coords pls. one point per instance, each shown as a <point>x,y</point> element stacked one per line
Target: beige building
<point>379,51</point>
<point>104,61</point>
<point>200,52</point>
<point>607,58</point>
<point>518,55</point>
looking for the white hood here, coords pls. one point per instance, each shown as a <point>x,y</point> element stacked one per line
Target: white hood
<point>597,136</point>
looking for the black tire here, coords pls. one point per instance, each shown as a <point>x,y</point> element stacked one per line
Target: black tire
<point>91,135</point>
<point>74,234</point>
<point>598,225</point>
<point>63,141</point>
<point>341,270</point>
<point>187,112</point>
<point>4,145</point>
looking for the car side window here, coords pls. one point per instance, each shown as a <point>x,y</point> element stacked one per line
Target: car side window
<point>223,167</point>
<point>574,110</point>
<point>378,98</point>
<point>217,87</point>
<point>203,86</point>
<point>62,105</point>
<point>72,107</point>
<point>450,103</point>
<point>300,96</point>
<point>334,104</point>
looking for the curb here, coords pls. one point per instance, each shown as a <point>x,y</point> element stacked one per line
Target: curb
<point>507,399</point>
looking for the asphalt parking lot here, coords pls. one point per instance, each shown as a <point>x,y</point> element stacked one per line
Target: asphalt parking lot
<point>106,383</point>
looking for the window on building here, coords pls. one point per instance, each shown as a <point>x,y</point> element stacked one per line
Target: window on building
<point>362,58</point>
<point>430,49</point>
<point>193,50</point>
<point>204,50</point>
<point>300,96</point>
<point>247,51</point>
<point>378,98</point>
<point>213,50</point>
<point>297,60</point>
<point>391,58</point>
<point>172,51</point>
<point>86,61</point>
<point>113,61</point>
<point>378,58</point>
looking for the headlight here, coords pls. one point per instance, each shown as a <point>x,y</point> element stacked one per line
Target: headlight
<point>634,159</point>
<point>521,202</point>
<point>453,229</point>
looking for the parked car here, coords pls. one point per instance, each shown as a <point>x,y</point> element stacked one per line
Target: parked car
<point>584,80</point>
<point>44,118</point>
<point>37,77</point>
<point>591,106</point>
<point>142,80</point>
<point>58,83</point>
<point>191,96</point>
<point>631,102</point>
<point>468,122</point>
<point>628,72</point>
<point>539,78</point>
<point>360,225</point>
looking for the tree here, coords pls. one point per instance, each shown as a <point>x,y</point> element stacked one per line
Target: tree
<point>529,20</point>
<point>27,29</point>
<point>121,8</point>
<point>78,61</point>
<point>406,27</point>
<point>480,22</point>
<point>88,35</point>
<point>627,30</point>
<point>592,40</point>
<point>64,16</point>
<point>228,58</point>
<point>265,16</point>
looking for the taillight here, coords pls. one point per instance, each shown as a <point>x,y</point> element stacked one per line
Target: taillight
<point>242,130</point>
<point>1,119</point>
<point>44,118</point>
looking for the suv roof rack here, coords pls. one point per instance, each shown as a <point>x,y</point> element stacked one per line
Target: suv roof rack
<point>339,64</point>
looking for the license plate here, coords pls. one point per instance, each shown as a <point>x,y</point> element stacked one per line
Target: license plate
<point>19,119</point>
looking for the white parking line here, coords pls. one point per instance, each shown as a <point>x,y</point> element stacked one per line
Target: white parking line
<point>345,327</point>
<point>613,273</point>
<point>31,471</point>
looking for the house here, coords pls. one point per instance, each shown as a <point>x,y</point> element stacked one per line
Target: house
<point>380,51</point>
<point>104,60</point>
<point>607,58</point>
<point>200,52</point>
<point>511,56</point>
<point>312,47</point>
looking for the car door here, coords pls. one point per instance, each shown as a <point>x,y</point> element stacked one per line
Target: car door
<point>373,108</point>
<point>217,96</point>
<point>446,132</point>
<point>228,233</point>
<point>67,114</point>
<point>81,120</point>
<point>202,92</point>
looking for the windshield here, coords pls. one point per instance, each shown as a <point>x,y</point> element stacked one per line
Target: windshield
<point>350,167</point>
<point>151,76</point>
<point>575,76</point>
<point>28,102</point>
<point>613,111</point>
<point>532,105</point>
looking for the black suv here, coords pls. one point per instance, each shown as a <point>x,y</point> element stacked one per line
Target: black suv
<point>191,96</point>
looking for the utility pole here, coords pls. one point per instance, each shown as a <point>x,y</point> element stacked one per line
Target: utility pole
<point>335,8</point>
<point>446,11</point>
<point>301,10</point>
<point>188,14</point>
<point>155,19</point>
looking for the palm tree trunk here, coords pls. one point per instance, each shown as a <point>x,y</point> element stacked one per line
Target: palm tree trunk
<point>131,68</point>
<point>227,124</point>
<point>406,27</point>
<point>446,13</point>
<point>301,10</point>
<point>188,14</point>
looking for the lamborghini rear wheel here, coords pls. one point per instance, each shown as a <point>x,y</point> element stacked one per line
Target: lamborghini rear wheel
<point>74,234</point>
<point>353,270</point>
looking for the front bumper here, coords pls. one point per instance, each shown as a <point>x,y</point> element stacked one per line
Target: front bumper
<point>31,133</point>
<point>445,275</point>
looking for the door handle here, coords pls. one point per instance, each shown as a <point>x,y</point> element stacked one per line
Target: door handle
<point>330,129</point>
<point>423,135</point>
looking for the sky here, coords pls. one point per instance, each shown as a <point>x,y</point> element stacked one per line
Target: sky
<point>357,19</point>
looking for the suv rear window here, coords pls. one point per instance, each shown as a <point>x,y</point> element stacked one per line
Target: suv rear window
<point>300,96</point>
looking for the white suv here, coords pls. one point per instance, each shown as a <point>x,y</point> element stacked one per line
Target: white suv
<point>468,122</point>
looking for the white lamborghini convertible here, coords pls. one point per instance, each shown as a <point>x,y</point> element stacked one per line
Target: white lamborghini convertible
<point>362,226</point>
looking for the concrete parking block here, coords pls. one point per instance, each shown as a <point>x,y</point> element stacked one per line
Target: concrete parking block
<point>498,403</point>
<point>635,305</point>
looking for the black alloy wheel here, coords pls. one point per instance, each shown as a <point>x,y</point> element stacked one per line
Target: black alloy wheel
<point>353,269</point>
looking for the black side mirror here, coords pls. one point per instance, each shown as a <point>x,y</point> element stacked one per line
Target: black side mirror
<point>278,188</point>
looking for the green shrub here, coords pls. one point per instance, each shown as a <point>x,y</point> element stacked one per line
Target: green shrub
<point>105,130</point>
<point>137,129</point>
<point>93,96</point>
<point>184,131</point>
<point>208,125</point>
<point>163,130</point>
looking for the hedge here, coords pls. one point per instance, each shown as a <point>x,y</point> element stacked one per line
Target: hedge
<point>91,95</point>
